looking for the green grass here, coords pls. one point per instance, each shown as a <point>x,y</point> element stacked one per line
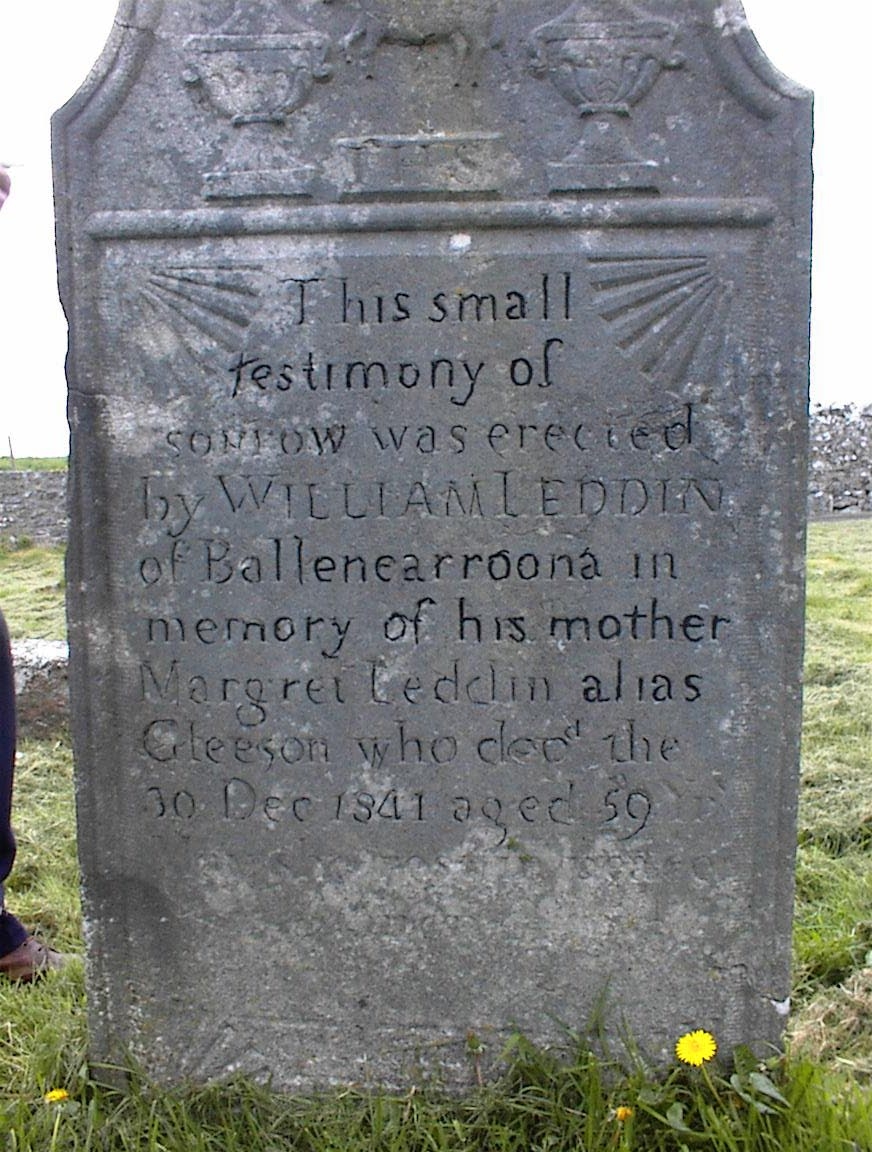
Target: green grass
<point>32,591</point>
<point>817,1099</point>
<point>833,925</point>
<point>33,464</point>
<point>577,1101</point>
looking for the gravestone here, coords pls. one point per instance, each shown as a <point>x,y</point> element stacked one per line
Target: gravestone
<point>438,395</point>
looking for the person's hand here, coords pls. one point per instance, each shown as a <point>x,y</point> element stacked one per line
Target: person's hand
<point>5,184</point>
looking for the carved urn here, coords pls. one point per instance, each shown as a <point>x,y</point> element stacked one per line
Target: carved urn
<point>257,79</point>
<point>604,57</point>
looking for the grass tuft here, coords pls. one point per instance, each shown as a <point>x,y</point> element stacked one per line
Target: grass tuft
<point>33,464</point>
<point>32,585</point>
<point>569,1103</point>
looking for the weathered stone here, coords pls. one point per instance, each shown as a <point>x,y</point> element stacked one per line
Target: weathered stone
<point>41,687</point>
<point>840,464</point>
<point>438,403</point>
<point>33,507</point>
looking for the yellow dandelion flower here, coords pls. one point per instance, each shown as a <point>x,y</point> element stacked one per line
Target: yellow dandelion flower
<point>622,1113</point>
<point>56,1096</point>
<point>695,1048</point>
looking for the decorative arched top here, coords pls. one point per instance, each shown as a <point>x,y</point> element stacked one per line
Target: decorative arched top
<point>102,91</point>
<point>741,62</point>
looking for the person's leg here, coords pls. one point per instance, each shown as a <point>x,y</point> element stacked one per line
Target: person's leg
<point>22,958</point>
<point>12,932</point>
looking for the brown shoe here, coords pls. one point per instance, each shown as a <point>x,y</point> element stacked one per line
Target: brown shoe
<point>30,960</point>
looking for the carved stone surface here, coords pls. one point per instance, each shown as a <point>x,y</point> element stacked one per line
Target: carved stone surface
<point>437,390</point>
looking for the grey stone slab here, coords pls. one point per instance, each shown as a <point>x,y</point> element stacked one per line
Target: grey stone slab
<point>41,693</point>
<point>438,403</point>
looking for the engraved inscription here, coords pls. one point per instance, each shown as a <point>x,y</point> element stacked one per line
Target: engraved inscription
<point>411,573</point>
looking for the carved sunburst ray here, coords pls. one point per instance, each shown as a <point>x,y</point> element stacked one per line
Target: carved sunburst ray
<point>660,308</point>
<point>616,303</point>
<point>219,291</point>
<point>651,320</point>
<point>203,301</point>
<point>683,333</point>
<point>615,271</point>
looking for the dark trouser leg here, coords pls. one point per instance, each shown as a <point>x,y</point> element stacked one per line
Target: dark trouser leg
<point>12,933</point>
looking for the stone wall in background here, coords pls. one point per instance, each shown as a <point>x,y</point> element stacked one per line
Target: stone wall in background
<point>840,461</point>
<point>33,506</point>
